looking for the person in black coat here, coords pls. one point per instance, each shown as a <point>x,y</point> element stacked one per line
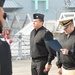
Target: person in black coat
<point>5,53</point>
<point>5,58</point>
<point>41,54</point>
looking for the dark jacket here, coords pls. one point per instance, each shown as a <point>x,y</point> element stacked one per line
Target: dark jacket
<point>68,61</point>
<point>5,58</point>
<point>38,48</point>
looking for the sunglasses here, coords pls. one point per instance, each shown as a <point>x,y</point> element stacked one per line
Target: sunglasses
<point>4,16</point>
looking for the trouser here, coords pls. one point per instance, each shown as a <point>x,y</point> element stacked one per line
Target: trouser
<point>0,69</point>
<point>37,67</point>
<point>6,69</point>
<point>68,72</point>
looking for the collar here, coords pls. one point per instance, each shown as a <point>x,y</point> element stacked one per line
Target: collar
<point>72,33</point>
<point>39,29</point>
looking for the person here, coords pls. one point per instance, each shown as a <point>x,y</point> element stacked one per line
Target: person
<point>5,53</point>
<point>66,56</point>
<point>7,36</point>
<point>41,54</point>
<point>5,56</point>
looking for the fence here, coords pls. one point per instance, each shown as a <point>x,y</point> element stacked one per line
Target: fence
<point>20,47</point>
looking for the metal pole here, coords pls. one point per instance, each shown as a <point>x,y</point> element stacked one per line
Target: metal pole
<point>19,47</point>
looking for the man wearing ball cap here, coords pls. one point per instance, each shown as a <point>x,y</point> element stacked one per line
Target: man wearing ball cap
<point>66,57</point>
<point>41,54</point>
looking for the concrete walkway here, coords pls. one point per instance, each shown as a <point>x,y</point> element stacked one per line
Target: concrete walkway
<point>22,67</point>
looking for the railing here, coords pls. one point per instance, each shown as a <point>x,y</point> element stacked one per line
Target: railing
<point>20,47</point>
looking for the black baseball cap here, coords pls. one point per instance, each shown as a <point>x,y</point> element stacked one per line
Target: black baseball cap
<point>38,16</point>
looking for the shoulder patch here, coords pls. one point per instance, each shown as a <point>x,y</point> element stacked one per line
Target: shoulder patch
<point>47,30</point>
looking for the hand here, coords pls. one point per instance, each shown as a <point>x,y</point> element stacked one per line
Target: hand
<point>47,67</point>
<point>59,71</point>
<point>64,51</point>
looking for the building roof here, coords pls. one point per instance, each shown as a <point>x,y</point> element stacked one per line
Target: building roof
<point>71,4</point>
<point>11,4</point>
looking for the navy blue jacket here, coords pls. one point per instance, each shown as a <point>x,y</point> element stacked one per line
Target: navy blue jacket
<point>5,58</point>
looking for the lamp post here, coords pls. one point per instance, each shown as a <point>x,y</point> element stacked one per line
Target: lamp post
<point>19,47</point>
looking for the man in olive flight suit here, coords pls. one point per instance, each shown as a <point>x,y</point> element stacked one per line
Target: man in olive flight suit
<point>66,57</point>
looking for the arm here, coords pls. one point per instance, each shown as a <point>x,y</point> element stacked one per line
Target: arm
<point>59,64</point>
<point>52,53</point>
<point>72,52</point>
<point>68,52</point>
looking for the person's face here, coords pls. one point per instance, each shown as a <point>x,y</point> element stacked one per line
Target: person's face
<point>68,30</point>
<point>37,23</point>
<point>1,16</point>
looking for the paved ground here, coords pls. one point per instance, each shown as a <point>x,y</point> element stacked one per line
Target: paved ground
<point>22,67</point>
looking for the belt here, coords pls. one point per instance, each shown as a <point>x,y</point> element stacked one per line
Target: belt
<point>42,58</point>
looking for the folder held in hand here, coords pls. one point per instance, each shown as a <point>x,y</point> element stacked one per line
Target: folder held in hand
<point>54,44</point>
